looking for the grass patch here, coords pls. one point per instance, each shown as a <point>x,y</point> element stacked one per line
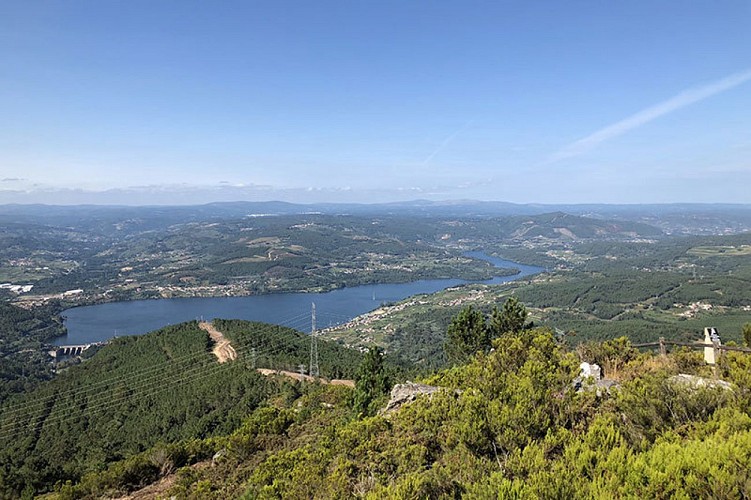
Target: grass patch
<point>720,250</point>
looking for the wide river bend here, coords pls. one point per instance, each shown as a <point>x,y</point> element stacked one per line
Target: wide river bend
<point>101,322</point>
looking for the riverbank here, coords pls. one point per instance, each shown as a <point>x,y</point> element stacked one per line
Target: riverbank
<point>81,297</point>
<point>100,322</point>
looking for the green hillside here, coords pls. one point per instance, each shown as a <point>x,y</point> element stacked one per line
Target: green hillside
<point>23,335</point>
<point>509,424</point>
<point>155,252</point>
<point>165,387</point>
<point>592,291</point>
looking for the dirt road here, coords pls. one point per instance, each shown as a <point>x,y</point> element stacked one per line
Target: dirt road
<point>308,378</point>
<point>223,350</point>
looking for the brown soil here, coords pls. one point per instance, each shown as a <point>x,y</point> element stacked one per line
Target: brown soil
<point>159,488</point>
<point>307,378</point>
<point>223,350</point>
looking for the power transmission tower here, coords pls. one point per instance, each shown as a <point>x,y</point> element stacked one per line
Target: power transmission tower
<point>253,357</point>
<point>314,369</point>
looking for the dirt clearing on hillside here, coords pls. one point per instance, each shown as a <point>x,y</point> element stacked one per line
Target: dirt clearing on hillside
<point>158,488</point>
<point>223,350</point>
<point>307,378</point>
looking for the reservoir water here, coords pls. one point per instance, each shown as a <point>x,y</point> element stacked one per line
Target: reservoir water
<point>103,321</point>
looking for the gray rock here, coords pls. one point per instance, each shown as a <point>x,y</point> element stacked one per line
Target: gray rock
<point>405,393</point>
<point>606,385</point>
<point>587,370</point>
<point>589,379</point>
<point>695,382</point>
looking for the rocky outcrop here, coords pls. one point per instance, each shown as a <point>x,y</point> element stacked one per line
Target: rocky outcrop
<point>589,379</point>
<point>405,393</point>
<point>590,370</point>
<point>695,382</point>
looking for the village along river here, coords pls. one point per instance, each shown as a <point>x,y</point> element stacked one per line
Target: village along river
<point>101,322</point>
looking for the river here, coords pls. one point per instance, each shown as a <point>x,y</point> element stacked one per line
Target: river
<point>101,322</point>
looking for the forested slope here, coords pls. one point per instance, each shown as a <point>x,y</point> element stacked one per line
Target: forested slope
<point>137,391</point>
<point>671,288</point>
<point>23,334</point>
<point>509,423</point>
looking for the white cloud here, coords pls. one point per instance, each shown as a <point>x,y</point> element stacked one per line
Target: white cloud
<point>685,98</point>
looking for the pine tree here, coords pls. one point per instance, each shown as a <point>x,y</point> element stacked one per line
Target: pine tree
<point>510,319</point>
<point>466,335</point>
<point>371,382</point>
<point>747,334</point>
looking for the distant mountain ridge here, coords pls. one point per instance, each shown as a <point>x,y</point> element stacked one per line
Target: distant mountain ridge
<point>509,221</point>
<point>677,218</point>
<point>414,207</point>
<point>563,226</point>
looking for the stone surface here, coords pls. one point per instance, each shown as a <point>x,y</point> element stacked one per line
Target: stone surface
<point>593,370</point>
<point>698,382</point>
<point>589,379</point>
<point>405,393</point>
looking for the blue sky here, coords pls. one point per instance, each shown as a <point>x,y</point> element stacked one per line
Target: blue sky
<point>614,102</point>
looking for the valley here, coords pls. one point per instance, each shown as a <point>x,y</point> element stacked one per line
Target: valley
<point>375,250</point>
<point>130,413</point>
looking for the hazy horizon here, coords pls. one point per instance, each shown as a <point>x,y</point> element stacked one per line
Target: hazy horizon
<point>197,195</point>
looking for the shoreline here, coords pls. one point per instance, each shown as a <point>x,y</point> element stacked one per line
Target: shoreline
<point>135,317</point>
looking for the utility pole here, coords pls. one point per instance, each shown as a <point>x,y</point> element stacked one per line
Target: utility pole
<point>314,369</point>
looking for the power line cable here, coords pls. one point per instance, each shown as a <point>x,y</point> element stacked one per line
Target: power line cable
<point>151,382</point>
<point>283,345</point>
<point>90,388</point>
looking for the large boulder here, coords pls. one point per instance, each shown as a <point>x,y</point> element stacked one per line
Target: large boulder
<point>590,370</point>
<point>590,379</point>
<point>405,393</point>
<point>694,382</point>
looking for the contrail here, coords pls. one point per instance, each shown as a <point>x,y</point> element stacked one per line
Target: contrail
<point>446,142</point>
<point>685,98</point>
